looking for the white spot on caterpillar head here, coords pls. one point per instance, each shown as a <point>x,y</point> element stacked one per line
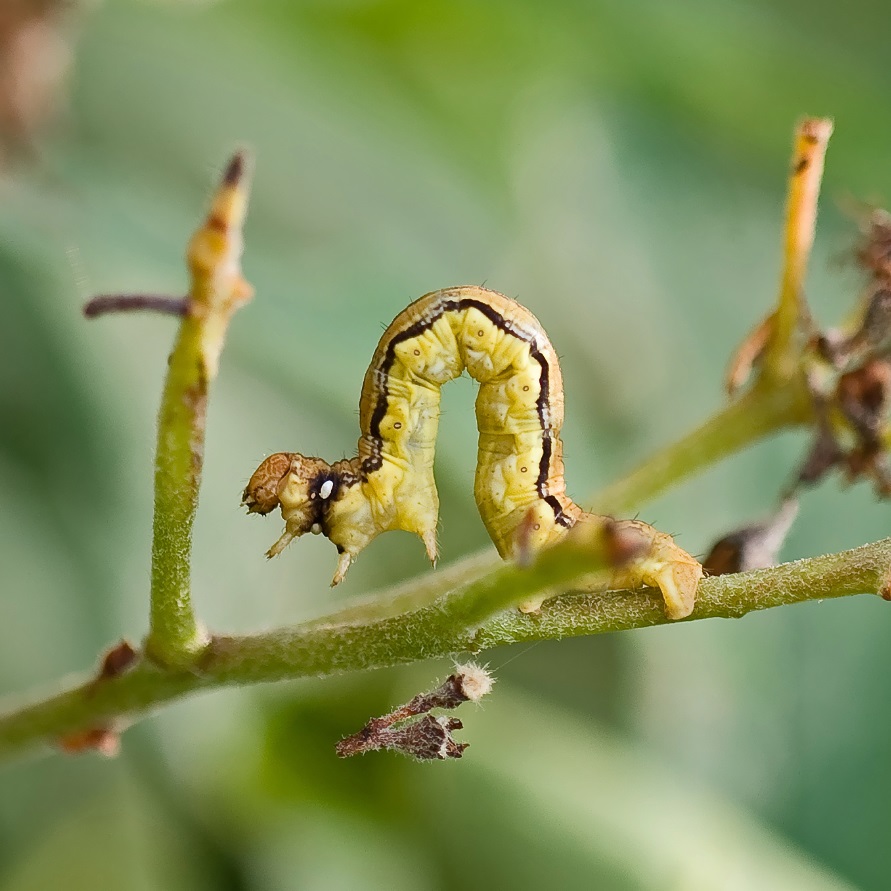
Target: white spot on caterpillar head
<point>327,489</point>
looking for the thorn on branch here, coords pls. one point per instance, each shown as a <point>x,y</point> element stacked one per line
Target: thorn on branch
<point>235,169</point>
<point>776,343</point>
<point>428,738</point>
<point>106,304</point>
<point>103,738</point>
<point>117,660</point>
<point>748,355</point>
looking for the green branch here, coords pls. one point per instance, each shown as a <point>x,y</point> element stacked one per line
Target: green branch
<point>456,623</point>
<point>470,605</point>
<point>760,411</point>
<point>217,290</point>
<point>783,351</point>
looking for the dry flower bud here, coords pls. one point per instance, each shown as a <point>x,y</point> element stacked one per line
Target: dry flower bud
<point>874,252</point>
<point>876,326</point>
<point>752,547</point>
<point>825,453</point>
<point>872,338</point>
<point>428,737</point>
<point>863,396</point>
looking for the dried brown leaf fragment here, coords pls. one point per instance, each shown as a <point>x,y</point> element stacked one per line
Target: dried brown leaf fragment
<point>429,737</point>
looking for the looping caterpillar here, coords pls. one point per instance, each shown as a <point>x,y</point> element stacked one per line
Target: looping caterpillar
<point>519,488</point>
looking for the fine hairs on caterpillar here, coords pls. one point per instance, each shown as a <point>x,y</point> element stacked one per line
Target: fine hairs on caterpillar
<point>519,486</point>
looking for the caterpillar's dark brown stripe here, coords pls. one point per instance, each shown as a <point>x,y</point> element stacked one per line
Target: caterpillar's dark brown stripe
<point>541,404</point>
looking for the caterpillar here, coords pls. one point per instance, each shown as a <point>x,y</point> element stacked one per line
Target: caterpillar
<point>519,485</point>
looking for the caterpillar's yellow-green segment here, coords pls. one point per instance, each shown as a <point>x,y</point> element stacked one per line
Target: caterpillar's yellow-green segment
<point>519,488</point>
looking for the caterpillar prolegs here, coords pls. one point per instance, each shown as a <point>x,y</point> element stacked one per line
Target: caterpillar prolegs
<point>519,486</point>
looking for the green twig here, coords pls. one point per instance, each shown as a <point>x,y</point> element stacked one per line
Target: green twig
<point>466,606</point>
<point>442,629</point>
<point>762,410</point>
<point>778,342</point>
<point>759,412</point>
<point>217,290</point>
<point>783,354</point>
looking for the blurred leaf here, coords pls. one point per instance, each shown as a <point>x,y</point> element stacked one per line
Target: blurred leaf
<point>110,840</point>
<point>621,169</point>
<point>617,807</point>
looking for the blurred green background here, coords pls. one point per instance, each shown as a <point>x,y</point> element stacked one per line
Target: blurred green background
<point>620,168</point>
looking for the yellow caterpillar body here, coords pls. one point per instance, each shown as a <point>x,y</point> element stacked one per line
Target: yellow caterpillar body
<point>519,486</point>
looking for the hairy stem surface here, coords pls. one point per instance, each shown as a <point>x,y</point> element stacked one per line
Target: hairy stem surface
<point>217,289</point>
<point>473,617</point>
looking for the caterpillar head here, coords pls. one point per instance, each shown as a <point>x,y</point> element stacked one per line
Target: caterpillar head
<point>301,486</point>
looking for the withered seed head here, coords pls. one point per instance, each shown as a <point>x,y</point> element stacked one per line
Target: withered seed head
<point>864,392</point>
<point>874,252</point>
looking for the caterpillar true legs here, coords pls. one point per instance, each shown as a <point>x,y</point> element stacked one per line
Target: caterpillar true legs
<point>519,485</point>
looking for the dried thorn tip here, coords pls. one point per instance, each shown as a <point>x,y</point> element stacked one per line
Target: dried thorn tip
<point>235,169</point>
<point>816,129</point>
<point>117,660</point>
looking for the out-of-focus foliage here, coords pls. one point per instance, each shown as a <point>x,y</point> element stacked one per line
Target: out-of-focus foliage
<point>618,167</point>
